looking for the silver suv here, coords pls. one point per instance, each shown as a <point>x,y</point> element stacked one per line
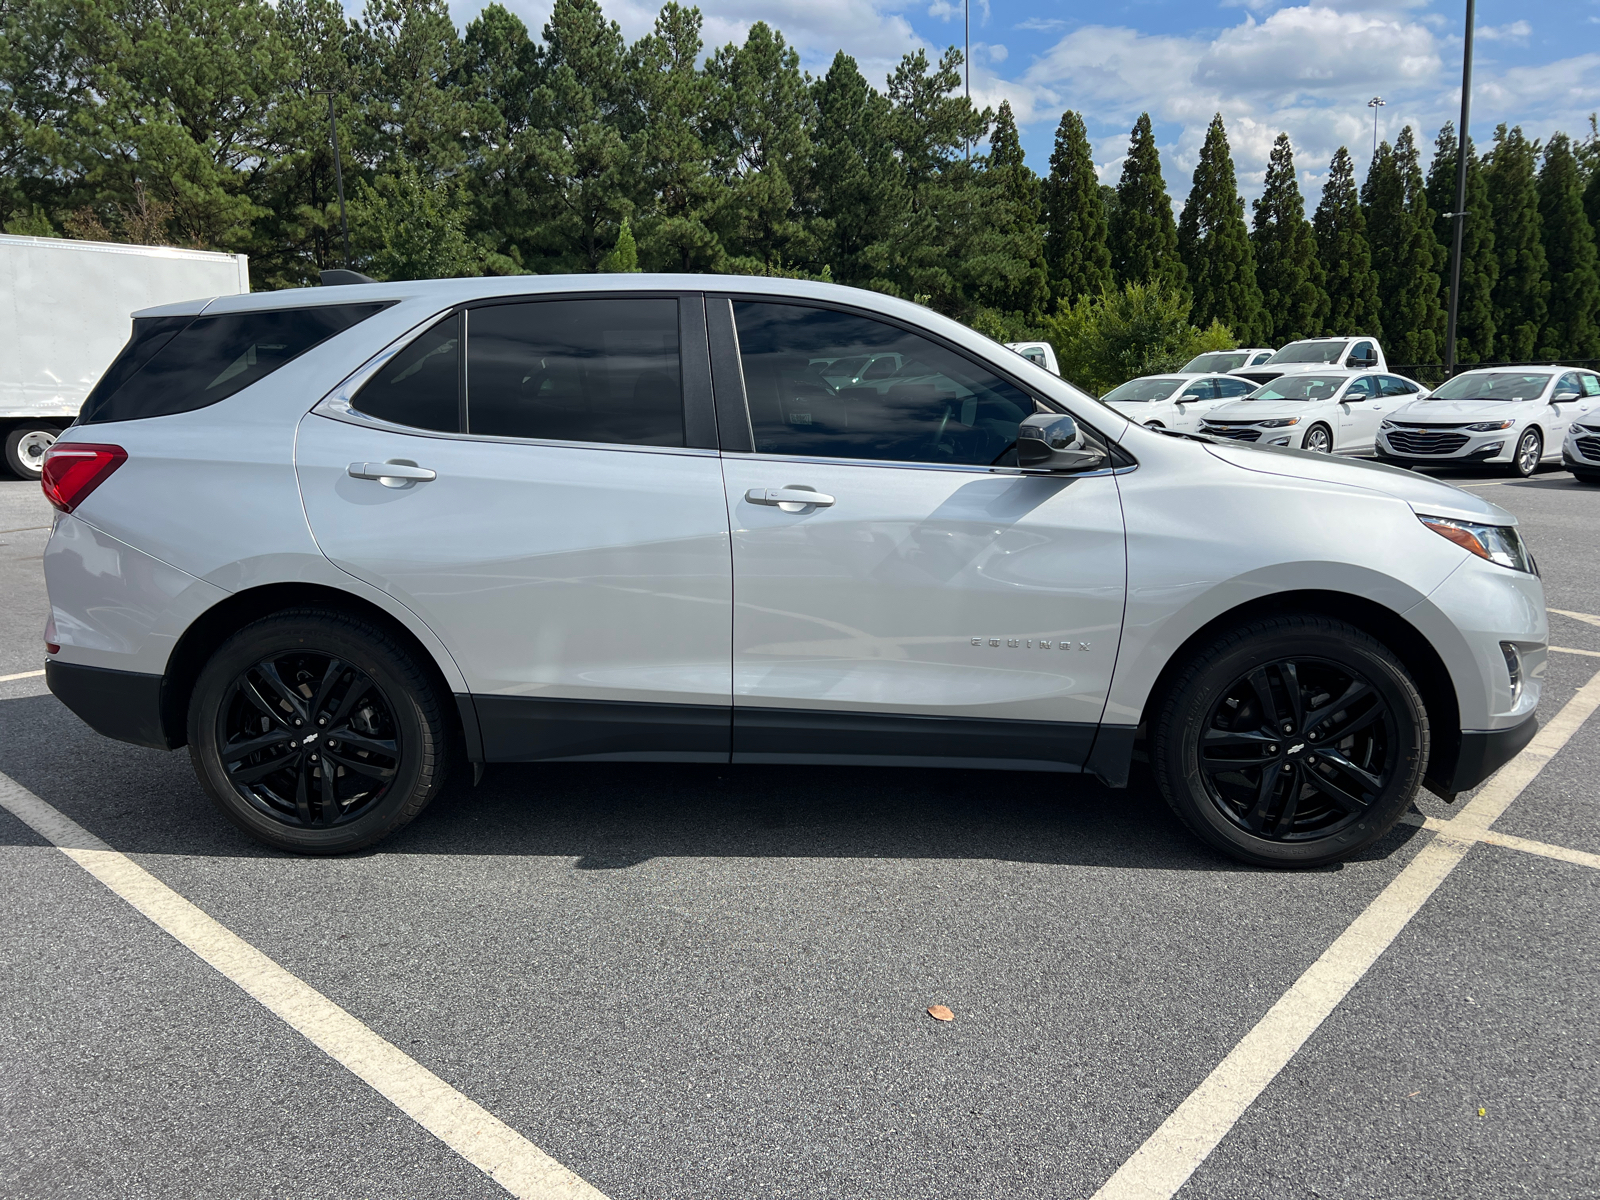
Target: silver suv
<point>338,540</point>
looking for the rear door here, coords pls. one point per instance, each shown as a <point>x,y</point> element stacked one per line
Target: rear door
<point>929,603</point>
<point>538,481</point>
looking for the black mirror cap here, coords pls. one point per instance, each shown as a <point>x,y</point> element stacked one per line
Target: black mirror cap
<point>1053,442</point>
<point>338,277</point>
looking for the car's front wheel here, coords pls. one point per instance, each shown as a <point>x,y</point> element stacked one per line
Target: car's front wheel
<point>1290,741</point>
<point>1530,449</point>
<point>1318,439</point>
<point>317,732</point>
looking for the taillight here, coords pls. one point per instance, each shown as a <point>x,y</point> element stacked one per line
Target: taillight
<point>74,469</point>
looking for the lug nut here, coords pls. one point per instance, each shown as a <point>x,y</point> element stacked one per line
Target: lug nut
<point>1272,749</point>
<point>294,745</point>
<point>1311,737</point>
<point>297,722</point>
<point>322,720</point>
<point>1287,727</point>
<point>313,758</point>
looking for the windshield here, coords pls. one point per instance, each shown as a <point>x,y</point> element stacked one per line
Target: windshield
<point>1493,385</point>
<point>1218,362</point>
<point>1301,352</point>
<point>1142,391</point>
<point>1299,387</point>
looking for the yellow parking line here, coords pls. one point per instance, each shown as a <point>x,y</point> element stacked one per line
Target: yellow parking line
<point>1527,845</point>
<point>21,675</point>
<point>1570,650</point>
<point>1589,618</point>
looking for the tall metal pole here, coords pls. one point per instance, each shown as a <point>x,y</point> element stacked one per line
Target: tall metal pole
<point>966,61</point>
<point>338,174</point>
<point>1460,215</point>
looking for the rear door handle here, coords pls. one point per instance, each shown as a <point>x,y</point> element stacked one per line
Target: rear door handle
<point>790,499</point>
<point>396,473</point>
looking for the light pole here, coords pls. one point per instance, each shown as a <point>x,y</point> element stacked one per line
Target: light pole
<point>338,173</point>
<point>966,60</point>
<point>1458,218</point>
<point>1375,104</point>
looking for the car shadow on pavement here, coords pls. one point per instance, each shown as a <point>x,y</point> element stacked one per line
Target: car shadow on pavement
<point>612,816</point>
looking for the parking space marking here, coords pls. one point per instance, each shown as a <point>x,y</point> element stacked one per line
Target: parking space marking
<point>21,675</point>
<point>1570,650</point>
<point>1590,618</point>
<point>481,1138</point>
<point>1581,858</point>
<point>1171,1154</point>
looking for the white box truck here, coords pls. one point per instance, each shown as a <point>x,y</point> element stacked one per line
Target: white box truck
<point>65,313</point>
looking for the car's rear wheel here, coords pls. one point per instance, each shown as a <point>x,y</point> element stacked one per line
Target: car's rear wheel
<point>1290,741</point>
<point>25,446</point>
<point>1318,439</point>
<point>1530,449</point>
<point>317,732</point>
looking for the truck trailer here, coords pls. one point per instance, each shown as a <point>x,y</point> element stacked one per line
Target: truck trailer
<point>65,310</point>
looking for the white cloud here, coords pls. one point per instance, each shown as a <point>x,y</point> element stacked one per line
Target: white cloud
<point>1517,31</point>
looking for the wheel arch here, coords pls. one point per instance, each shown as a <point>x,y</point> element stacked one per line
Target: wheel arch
<point>214,626</point>
<point>1404,640</point>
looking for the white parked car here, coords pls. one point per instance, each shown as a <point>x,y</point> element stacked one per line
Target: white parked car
<point>1580,453</point>
<point>1223,362</point>
<point>1512,416</point>
<point>340,541</point>
<point>1334,413</point>
<point>1040,354</point>
<point>1174,401</point>
<point>1320,356</point>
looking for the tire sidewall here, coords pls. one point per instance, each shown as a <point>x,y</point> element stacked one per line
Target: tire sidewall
<point>274,636</point>
<point>1516,460</point>
<point>1205,690</point>
<point>1305,443</point>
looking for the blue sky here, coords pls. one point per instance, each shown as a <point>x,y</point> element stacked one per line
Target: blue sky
<point>1308,68</point>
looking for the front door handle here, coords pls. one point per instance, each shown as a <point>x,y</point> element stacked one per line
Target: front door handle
<point>395,473</point>
<point>794,498</point>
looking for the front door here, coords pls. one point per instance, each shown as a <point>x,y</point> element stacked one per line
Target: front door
<point>564,542</point>
<point>928,604</point>
<point>1360,410</point>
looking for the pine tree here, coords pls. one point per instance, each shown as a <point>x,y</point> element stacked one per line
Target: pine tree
<point>1294,299</point>
<point>1342,248</point>
<point>1405,253</point>
<point>1004,260</point>
<point>1075,217</point>
<point>860,197</point>
<point>1573,329</point>
<point>1143,236</point>
<point>1215,244</point>
<point>1479,267</point>
<point>1522,290</point>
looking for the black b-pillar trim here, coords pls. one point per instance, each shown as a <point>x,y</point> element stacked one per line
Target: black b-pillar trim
<point>727,377</point>
<point>699,404</point>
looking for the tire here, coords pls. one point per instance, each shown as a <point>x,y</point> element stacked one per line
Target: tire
<point>25,446</point>
<point>1154,425</point>
<point>366,687</point>
<point>1529,453</point>
<point>1318,439</point>
<point>1236,796</point>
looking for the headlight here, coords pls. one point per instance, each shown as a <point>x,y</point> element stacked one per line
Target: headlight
<point>1279,423</point>
<point>1490,426</point>
<point>1498,543</point>
<point>1387,424</point>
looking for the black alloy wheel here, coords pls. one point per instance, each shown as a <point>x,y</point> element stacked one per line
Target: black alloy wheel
<point>1297,748</point>
<point>1289,741</point>
<point>1318,440</point>
<point>308,740</point>
<point>317,731</point>
<point>1530,449</point>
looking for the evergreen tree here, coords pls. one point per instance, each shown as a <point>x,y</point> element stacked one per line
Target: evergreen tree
<point>1142,235</point>
<point>1479,267</point>
<point>861,199</point>
<point>1294,299</point>
<point>1573,329</point>
<point>1346,258</point>
<point>1076,252</point>
<point>1004,261</point>
<point>495,74</point>
<point>1215,244</point>
<point>1405,253</point>
<point>1522,290</point>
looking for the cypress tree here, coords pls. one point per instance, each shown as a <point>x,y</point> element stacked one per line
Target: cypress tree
<point>1294,300</point>
<point>1005,258</point>
<point>1215,245</point>
<point>1405,253</point>
<point>1346,258</point>
<point>1573,329</point>
<point>1142,235</point>
<point>1479,267</point>
<point>860,197</point>
<point>1521,293</point>
<point>1075,247</point>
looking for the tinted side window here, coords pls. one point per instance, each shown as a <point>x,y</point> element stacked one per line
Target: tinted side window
<point>577,371</point>
<point>836,385</point>
<point>1234,387</point>
<point>1568,383</point>
<point>1394,386</point>
<point>1367,385</point>
<point>1362,353</point>
<point>1200,389</point>
<point>209,359</point>
<point>421,385</point>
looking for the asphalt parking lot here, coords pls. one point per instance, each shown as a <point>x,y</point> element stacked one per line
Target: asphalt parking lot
<point>712,982</point>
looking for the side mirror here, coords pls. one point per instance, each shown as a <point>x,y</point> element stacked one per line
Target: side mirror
<point>1053,442</point>
<point>1559,397</point>
<point>1352,397</point>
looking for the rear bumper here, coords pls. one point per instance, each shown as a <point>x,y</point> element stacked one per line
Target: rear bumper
<point>126,705</point>
<point>1480,754</point>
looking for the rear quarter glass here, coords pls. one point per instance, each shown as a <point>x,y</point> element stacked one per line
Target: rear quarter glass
<point>180,364</point>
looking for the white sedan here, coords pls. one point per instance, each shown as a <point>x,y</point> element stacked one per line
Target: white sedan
<point>1333,412</point>
<point>1511,416</point>
<point>1177,401</point>
<point>1214,362</point>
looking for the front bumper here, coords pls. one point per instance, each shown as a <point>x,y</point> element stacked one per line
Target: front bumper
<point>1479,754</point>
<point>1445,446</point>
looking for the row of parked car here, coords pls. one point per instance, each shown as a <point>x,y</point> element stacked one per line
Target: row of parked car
<point>1337,396</point>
